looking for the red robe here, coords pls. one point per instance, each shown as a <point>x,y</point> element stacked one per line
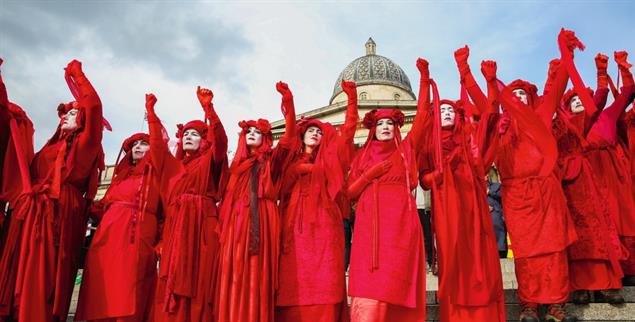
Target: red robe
<point>121,264</point>
<point>311,271</point>
<point>64,175</point>
<point>387,255</point>
<point>190,188</point>
<point>536,213</point>
<point>250,225</point>
<point>610,159</point>
<point>470,280</point>
<point>15,179</point>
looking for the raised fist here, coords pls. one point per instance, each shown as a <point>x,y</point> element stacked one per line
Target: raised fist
<point>422,65</point>
<point>74,67</point>
<point>461,55</point>
<point>150,101</point>
<point>601,62</point>
<point>620,59</point>
<point>283,89</point>
<point>205,96</point>
<point>488,68</point>
<point>350,88</point>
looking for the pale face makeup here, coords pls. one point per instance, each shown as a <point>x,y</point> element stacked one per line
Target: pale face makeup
<point>447,115</point>
<point>253,137</point>
<point>521,94</point>
<point>576,105</point>
<point>312,137</point>
<point>139,149</point>
<point>69,120</point>
<point>191,140</point>
<point>385,129</point>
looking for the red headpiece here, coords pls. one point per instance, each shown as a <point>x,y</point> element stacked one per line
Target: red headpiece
<point>129,142</point>
<point>201,128</point>
<point>529,88</point>
<point>371,118</point>
<point>242,152</point>
<point>305,122</point>
<point>566,98</point>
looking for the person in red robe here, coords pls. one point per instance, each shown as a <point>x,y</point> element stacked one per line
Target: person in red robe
<point>610,159</point>
<point>311,272</point>
<point>470,280</point>
<point>594,259</point>
<point>387,268</point>
<point>535,207</point>
<point>64,175</point>
<point>250,223</point>
<point>190,184</point>
<point>16,148</point>
<point>121,264</point>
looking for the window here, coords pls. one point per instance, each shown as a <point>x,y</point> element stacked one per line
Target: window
<point>363,96</point>
<point>396,96</point>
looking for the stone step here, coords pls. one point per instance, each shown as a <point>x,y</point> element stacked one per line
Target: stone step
<point>587,313</point>
<point>511,295</point>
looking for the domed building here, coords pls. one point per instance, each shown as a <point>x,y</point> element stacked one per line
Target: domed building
<point>381,83</point>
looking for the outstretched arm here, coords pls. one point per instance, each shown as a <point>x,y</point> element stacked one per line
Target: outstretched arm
<point>215,131</point>
<point>282,154</point>
<point>422,122</point>
<point>346,131</point>
<point>162,160</point>
<point>88,99</point>
<point>488,68</point>
<point>602,90</point>
<point>467,79</point>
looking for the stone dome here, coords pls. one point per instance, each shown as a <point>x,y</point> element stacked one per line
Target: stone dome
<point>372,69</point>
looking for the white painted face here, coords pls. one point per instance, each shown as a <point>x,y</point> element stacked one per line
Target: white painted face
<point>385,129</point>
<point>69,120</point>
<point>447,115</point>
<point>139,149</point>
<point>312,136</point>
<point>521,94</point>
<point>253,137</point>
<point>576,105</point>
<point>191,140</point>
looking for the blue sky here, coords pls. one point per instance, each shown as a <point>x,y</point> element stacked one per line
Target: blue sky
<point>240,49</point>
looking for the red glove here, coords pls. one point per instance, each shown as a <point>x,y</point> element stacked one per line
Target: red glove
<point>460,56</point>
<point>74,68</point>
<point>377,170</point>
<point>620,59</point>
<point>422,65</point>
<point>150,101</point>
<point>488,68</point>
<point>284,90</point>
<point>503,124</point>
<point>204,95</point>
<point>568,39</point>
<point>350,88</point>
<point>602,63</point>
<point>429,179</point>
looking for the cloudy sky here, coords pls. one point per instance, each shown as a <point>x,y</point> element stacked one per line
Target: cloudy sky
<point>240,49</point>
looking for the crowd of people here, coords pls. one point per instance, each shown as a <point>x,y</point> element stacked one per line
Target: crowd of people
<point>193,236</point>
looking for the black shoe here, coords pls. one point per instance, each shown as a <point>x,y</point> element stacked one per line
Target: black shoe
<point>628,280</point>
<point>581,297</point>
<point>529,312</point>
<point>609,296</point>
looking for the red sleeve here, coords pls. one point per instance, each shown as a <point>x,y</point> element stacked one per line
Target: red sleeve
<point>475,91</point>
<point>487,138</point>
<point>282,153</point>
<point>422,124</point>
<point>88,99</point>
<point>606,125</point>
<point>162,160</point>
<point>551,100</point>
<point>346,132</point>
<point>600,97</point>
<point>492,96</point>
<point>217,136</point>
